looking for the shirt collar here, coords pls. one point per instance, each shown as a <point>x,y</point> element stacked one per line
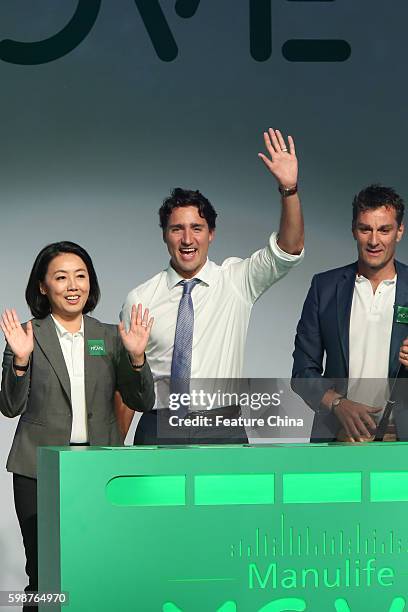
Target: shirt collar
<point>204,275</point>
<point>62,332</point>
<point>388,281</point>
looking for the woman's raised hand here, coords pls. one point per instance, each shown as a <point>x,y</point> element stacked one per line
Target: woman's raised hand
<point>20,340</point>
<point>135,340</point>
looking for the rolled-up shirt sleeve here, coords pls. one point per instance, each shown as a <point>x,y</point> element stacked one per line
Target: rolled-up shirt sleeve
<point>293,260</point>
<point>264,268</point>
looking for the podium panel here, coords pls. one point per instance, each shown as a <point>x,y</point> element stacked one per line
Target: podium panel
<point>319,527</point>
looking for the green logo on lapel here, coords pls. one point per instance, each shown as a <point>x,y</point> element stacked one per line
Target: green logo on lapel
<point>401,314</point>
<point>97,347</point>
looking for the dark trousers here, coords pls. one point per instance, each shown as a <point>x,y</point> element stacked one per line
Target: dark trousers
<point>154,429</point>
<point>25,501</point>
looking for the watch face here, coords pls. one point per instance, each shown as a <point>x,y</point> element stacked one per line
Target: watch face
<point>287,191</point>
<point>336,402</point>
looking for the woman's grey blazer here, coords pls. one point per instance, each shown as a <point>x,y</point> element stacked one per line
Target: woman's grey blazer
<point>42,396</point>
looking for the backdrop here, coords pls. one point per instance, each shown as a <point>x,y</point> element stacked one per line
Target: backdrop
<point>125,100</point>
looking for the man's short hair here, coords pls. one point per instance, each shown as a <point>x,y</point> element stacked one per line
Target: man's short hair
<point>187,197</point>
<point>375,196</point>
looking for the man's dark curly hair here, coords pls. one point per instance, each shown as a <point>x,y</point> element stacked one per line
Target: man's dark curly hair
<point>187,197</point>
<point>373,197</point>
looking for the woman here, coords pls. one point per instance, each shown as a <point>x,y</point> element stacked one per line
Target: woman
<point>61,371</point>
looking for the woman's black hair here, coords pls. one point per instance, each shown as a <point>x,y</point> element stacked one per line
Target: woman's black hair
<point>37,302</point>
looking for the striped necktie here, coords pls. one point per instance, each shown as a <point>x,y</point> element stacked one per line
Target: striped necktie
<point>183,344</point>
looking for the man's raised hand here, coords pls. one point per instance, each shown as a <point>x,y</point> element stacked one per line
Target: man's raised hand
<point>282,161</point>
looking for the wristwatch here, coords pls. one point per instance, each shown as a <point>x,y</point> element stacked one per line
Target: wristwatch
<point>336,402</point>
<point>20,368</point>
<point>287,191</point>
<point>136,366</point>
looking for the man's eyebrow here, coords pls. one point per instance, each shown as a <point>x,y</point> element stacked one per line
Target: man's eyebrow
<point>181,225</point>
<point>381,227</point>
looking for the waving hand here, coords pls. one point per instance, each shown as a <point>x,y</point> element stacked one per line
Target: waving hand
<point>20,340</point>
<point>135,340</point>
<point>281,161</point>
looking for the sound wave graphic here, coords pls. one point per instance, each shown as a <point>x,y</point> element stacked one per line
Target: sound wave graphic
<point>295,542</point>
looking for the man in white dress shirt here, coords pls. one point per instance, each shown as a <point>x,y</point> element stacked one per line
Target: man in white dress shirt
<point>216,319</point>
<point>357,316</point>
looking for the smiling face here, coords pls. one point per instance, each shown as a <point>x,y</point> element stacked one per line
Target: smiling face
<point>377,233</point>
<point>187,237</point>
<point>66,285</point>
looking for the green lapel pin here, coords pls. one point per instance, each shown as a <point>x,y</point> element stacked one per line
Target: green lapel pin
<point>96,348</point>
<point>401,314</point>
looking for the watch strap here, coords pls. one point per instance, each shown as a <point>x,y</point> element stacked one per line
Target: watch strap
<point>19,368</point>
<point>287,191</point>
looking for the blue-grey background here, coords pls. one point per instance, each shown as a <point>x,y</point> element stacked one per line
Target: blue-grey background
<point>92,142</point>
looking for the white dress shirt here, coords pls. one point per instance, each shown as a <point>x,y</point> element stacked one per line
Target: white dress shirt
<point>369,341</point>
<point>72,346</point>
<point>222,303</point>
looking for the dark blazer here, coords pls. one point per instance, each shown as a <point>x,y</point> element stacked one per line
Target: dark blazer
<point>43,399</point>
<point>323,330</point>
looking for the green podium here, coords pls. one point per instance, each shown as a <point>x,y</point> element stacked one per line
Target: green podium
<point>225,528</point>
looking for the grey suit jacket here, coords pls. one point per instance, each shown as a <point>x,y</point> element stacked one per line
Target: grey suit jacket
<point>43,399</point>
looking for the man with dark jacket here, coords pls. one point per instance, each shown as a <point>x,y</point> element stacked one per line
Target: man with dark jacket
<point>356,317</point>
